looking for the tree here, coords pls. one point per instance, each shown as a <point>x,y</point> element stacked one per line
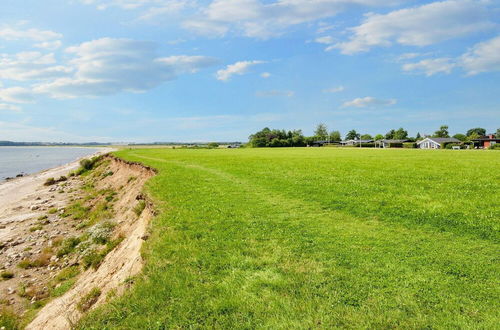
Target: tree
<point>321,132</point>
<point>366,137</point>
<point>277,138</point>
<point>442,132</point>
<point>352,135</point>
<point>213,145</point>
<point>418,137</point>
<point>335,136</point>
<point>390,135</point>
<point>461,137</point>
<point>400,134</point>
<point>378,137</point>
<point>497,135</point>
<point>478,130</point>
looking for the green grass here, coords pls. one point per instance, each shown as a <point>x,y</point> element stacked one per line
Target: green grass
<point>317,238</point>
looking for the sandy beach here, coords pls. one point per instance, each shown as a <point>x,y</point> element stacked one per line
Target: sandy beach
<point>14,191</point>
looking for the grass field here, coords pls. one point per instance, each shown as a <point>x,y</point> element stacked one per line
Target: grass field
<point>317,238</point>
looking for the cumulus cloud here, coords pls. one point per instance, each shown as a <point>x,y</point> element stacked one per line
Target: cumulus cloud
<point>368,101</point>
<point>265,19</point>
<point>17,95</point>
<point>274,93</point>
<point>337,89</point>
<point>419,26</point>
<point>483,57</point>
<point>431,67</point>
<point>238,68</point>
<point>108,66</point>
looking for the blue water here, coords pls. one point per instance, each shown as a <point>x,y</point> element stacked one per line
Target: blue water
<point>28,160</point>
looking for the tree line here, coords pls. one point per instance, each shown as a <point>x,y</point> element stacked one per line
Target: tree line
<point>295,138</point>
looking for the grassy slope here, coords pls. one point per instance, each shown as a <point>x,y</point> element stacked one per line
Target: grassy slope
<point>317,238</point>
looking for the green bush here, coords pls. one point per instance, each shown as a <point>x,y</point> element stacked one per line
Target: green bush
<point>409,145</point>
<point>395,145</point>
<point>451,145</point>
<point>495,146</point>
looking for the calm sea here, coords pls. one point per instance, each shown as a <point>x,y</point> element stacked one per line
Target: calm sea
<point>28,160</point>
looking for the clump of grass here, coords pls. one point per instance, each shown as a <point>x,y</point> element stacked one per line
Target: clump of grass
<point>101,232</point>
<point>50,182</point>
<point>106,174</point>
<point>87,165</point>
<point>8,320</point>
<point>67,273</point>
<point>62,288</point>
<point>68,246</point>
<point>131,178</point>
<point>35,228</point>
<point>43,217</point>
<point>24,264</point>
<point>6,275</point>
<point>76,211</point>
<point>52,211</point>
<point>89,300</point>
<point>139,207</point>
<point>93,257</point>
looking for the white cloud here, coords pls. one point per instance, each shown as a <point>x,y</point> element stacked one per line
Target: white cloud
<point>483,57</point>
<point>9,107</point>
<point>265,19</point>
<point>420,26</point>
<point>326,40</point>
<point>431,66</point>
<point>17,95</point>
<point>31,66</point>
<point>50,45</point>
<point>337,89</point>
<point>274,93</point>
<point>9,33</point>
<point>238,68</point>
<point>368,101</point>
<point>108,66</point>
<point>164,9</point>
<point>265,75</point>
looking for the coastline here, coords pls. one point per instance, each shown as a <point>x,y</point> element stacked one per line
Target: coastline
<point>17,189</point>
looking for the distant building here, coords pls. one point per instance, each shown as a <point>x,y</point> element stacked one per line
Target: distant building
<point>354,142</point>
<point>486,141</point>
<point>318,143</point>
<point>385,143</point>
<point>435,143</point>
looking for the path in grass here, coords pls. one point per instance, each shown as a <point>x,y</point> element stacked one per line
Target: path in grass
<point>316,238</point>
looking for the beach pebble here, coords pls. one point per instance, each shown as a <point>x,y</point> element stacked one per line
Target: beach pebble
<point>34,207</point>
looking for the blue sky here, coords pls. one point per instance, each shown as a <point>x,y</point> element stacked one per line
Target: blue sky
<point>205,70</point>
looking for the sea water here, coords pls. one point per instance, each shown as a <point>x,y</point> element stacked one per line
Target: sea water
<point>28,160</point>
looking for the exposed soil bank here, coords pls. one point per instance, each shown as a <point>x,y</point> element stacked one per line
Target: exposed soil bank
<point>131,215</point>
